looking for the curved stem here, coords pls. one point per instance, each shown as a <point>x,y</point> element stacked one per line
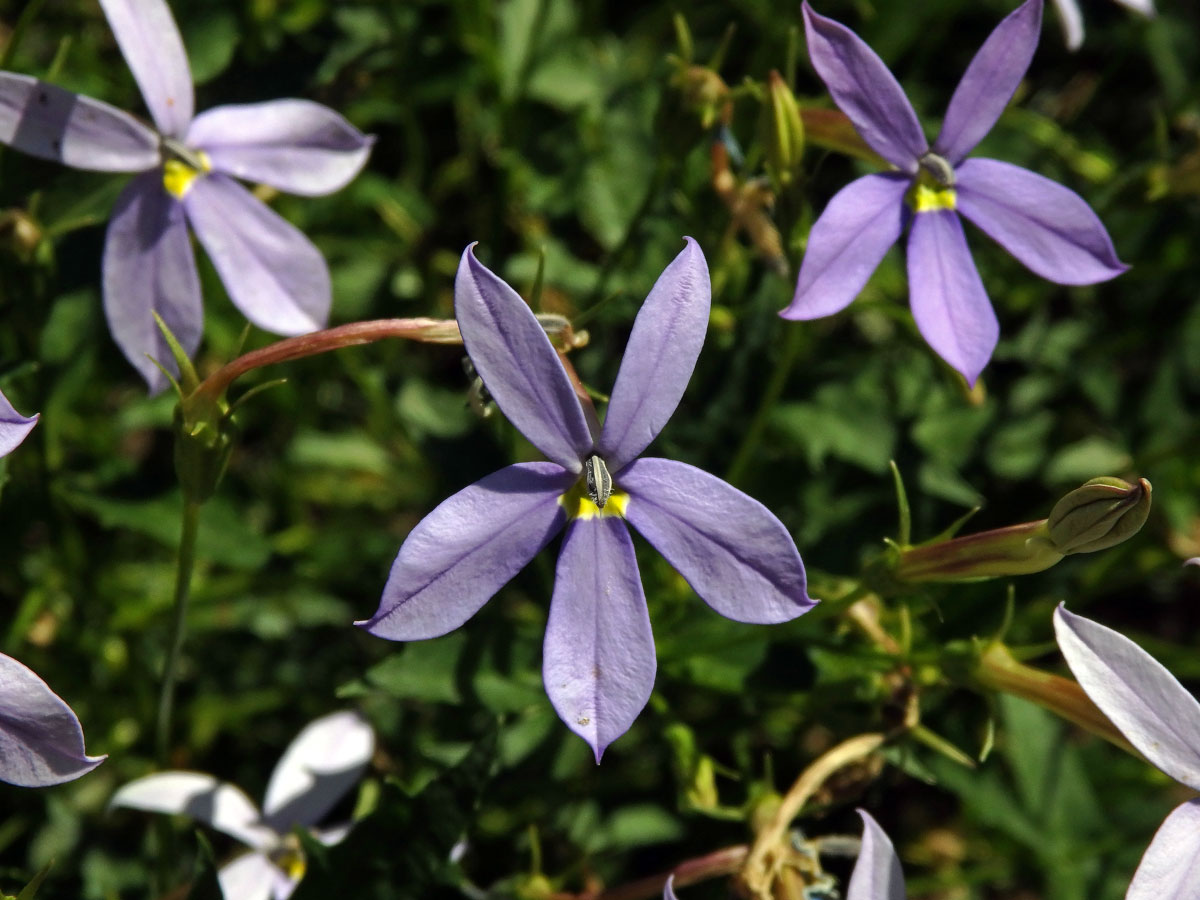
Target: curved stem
<point>437,331</point>
<point>759,871</point>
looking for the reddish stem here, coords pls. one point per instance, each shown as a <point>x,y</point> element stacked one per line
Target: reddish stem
<point>434,331</point>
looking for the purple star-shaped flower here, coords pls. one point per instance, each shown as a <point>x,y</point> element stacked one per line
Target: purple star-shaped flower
<point>13,426</point>
<point>272,272</point>
<point>41,741</point>
<point>1044,225</point>
<point>598,655</point>
<point>1162,721</point>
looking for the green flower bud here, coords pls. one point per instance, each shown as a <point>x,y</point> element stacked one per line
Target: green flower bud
<point>1100,514</point>
<point>783,133</point>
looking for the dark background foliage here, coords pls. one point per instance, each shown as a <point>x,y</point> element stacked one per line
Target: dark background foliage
<point>557,128</point>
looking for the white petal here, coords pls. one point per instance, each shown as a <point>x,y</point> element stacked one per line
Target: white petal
<point>317,769</point>
<point>219,804</point>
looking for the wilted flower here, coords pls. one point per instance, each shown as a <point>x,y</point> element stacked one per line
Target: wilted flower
<point>876,875</point>
<point>1072,19</point>
<point>41,741</point>
<point>598,662</point>
<point>186,169</point>
<point>1162,720</point>
<point>13,426</point>
<point>324,761</point>
<point>1047,227</point>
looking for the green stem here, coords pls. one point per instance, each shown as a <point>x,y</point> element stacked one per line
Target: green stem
<point>770,396</point>
<point>183,588</point>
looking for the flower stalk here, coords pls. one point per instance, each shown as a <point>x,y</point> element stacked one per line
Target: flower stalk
<point>998,670</point>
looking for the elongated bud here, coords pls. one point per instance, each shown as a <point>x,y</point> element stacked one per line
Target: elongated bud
<point>783,133</point>
<point>1016,550</point>
<point>1100,514</point>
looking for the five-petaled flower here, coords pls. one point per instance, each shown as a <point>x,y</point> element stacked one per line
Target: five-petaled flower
<point>319,766</point>
<point>1162,721</point>
<point>41,741</point>
<point>272,272</point>
<point>598,655</point>
<point>1047,227</point>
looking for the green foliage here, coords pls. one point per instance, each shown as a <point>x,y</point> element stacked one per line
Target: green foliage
<point>583,134</point>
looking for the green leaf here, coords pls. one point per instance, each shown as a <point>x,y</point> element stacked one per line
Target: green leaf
<point>1089,458</point>
<point>225,537</point>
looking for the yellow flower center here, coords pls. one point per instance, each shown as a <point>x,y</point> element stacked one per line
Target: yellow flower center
<point>925,198</point>
<point>580,506</point>
<point>290,859</point>
<point>178,175</point>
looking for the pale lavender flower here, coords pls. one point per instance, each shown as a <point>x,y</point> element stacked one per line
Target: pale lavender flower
<point>876,875</point>
<point>598,655</point>
<point>41,741</point>
<point>1162,721</point>
<point>13,426</point>
<point>1047,227</point>
<point>186,167</point>
<point>1072,20</point>
<point>324,761</point>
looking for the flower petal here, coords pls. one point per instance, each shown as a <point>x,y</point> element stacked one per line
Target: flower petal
<point>989,82</point>
<point>333,835</point>
<point>669,889</point>
<point>1072,23</point>
<point>1047,227</point>
<point>325,760</point>
<point>272,272</point>
<point>1170,867</point>
<point>249,877</point>
<point>733,552</point>
<point>1145,701</point>
<point>659,358</point>
<point>518,365</point>
<point>464,551</point>
<point>877,874</point>
<point>45,121</point>
<point>218,804</point>
<point>598,659</point>
<point>13,426</point>
<point>149,267</point>
<point>153,50</point>
<point>865,90</point>
<point>41,740</point>
<point>846,244</point>
<point>295,145</point>
<point>952,310</point>
<point>1145,7</point>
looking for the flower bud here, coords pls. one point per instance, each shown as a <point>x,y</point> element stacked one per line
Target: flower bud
<point>1100,514</point>
<point>783,133</point>
<point>1016,550</point>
